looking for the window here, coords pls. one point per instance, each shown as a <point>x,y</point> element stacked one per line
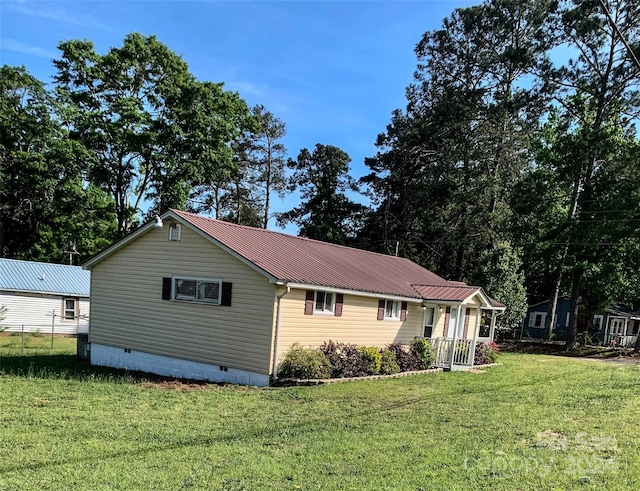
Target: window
<point>536,319</point>
<point>174,232</point>
<point>324,302</point>
<point>197,289</point>
<point>429,318</point>
<point>69,306</point>
<point>566,322</point>
<point>391,309</point>
<point>597,321</point>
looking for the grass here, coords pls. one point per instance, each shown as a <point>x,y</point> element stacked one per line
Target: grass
<point>536,422</point>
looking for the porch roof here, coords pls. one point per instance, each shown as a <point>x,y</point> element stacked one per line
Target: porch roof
<point>456,293</point>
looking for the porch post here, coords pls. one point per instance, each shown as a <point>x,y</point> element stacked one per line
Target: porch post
<point>493,325</point>
<point>475,336</point>
<point>626,325</point>
<point>453,339</point>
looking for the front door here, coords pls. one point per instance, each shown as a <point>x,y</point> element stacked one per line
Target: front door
<point>616,330</point>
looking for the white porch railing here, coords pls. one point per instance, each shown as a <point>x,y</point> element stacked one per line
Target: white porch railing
<point>620,341</point>
<point>463,352</point>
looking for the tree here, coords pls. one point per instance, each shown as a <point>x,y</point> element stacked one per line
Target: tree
<point>500,273</point>
<point>153,131</point>
<point>326,212</point>
<point>45,200</point>
<point>443,177</point>
<point>264,158</point>
<point>598,91</point>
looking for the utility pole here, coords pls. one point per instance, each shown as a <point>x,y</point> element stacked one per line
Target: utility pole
<point>72,251</point>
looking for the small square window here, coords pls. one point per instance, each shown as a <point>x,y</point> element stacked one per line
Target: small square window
<point>392,310</point>
<point>69,309</point>
<point>324,302</point>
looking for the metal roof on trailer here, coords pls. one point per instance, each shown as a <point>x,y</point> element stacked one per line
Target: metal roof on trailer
<point>36,277</point>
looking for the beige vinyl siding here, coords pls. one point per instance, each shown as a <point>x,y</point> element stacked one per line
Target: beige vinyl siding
<point>438,330</point>
<point>128,311</point>
<point>358,323</point>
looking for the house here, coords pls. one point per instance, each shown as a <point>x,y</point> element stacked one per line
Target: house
<point>192,297</point>
<point>536,317</point>
<point>44,297</point>
<point>618,325</point>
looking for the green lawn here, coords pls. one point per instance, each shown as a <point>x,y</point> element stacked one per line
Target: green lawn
<point>535,422</point>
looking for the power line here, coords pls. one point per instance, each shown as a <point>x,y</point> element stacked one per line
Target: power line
<point>622,38</point>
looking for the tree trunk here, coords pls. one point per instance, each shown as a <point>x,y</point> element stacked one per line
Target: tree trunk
<point>550,321</point>
<point>572,330</point>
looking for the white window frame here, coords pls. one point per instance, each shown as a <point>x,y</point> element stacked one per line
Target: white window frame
<point>425,325</point>
<point>175,232</point>
<point>395,310</point>
<point>532,319</point>
<point>198,298</point>
<point>597,320</point>
<point>566,322</point>
<point>65,309</point>
<point>327,308</point>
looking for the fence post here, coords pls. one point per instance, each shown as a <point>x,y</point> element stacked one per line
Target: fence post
<point>53,323</point>
<point>22,348</point>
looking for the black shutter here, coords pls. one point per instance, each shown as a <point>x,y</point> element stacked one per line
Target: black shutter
<point>166,288</point>
<point>381,305</point>
<point>339,303</point>
<point>403,311</point>
<point>308,302</point>
<point>225,298</point>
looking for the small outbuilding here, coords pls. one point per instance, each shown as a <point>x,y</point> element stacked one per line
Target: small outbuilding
<point>43,297</point>
<point>192,297</point>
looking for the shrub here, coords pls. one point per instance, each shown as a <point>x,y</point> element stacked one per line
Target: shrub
<point>346,360</point>
<point>372,356</point>
<point>485,353</point>
<point>407,360</point>
<point>423,350</point>
<point>304,363</point>
<point>388,363</point>
<point>36,334</point>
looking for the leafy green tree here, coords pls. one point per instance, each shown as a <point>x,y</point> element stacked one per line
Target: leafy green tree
<point>443,177</point>
<point>45,200</point>
<point>153,131</point>
<point>326,212</point>
<point>500,273</point>
<point>598,92</point>
<point>264,158</point>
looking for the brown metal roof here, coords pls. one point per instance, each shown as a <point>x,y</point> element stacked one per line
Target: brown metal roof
<point>455,293</point>
<point>311,262</point>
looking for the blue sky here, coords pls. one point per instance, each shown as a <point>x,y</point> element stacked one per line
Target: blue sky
<point>332,71</point>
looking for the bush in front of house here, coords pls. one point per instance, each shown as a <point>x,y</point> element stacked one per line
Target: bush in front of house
<point>346,360</point>
<point>486,353</point>
<point>405,358</point>
<point>423,350</point>
<point>388,363</point>
<point>304,363</point>
<point>372,357</point>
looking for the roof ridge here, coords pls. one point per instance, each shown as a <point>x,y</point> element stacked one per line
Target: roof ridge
<point>445,286</point>
<point>287,235</point>
<point>39,262</point>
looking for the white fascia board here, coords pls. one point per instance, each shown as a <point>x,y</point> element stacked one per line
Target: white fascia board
<point>345,291</point>
<point>117,246</point>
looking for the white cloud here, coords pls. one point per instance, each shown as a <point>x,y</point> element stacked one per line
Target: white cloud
<point>58,15</point>
<point>25,49</point>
